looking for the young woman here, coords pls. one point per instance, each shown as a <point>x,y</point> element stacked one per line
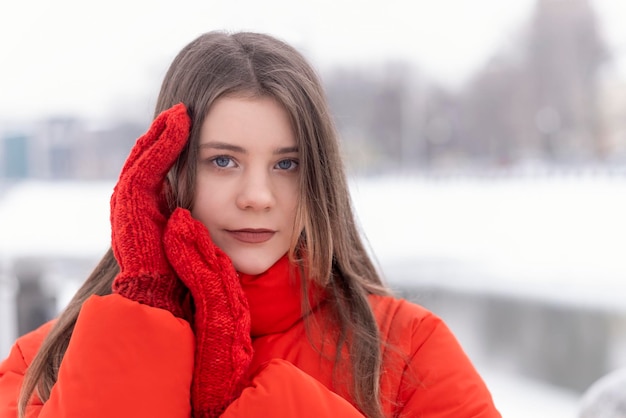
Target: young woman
<point>237,283</point>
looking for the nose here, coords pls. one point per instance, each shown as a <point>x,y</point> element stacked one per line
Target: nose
<point>256,192</point>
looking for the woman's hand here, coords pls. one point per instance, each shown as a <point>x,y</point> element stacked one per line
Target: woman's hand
<point>139,213</point>
<point>221,319</point>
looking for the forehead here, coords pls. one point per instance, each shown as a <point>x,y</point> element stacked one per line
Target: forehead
<point>248,121</point>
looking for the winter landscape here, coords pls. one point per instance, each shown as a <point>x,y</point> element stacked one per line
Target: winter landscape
<point>486,142</point>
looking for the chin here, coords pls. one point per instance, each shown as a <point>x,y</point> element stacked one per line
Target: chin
<point>254,263</point>
<point>252,267</point>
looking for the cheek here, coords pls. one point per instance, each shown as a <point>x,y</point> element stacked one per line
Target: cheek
<point>288,194</point>
<point>290,197</point>
<point>208,200</point>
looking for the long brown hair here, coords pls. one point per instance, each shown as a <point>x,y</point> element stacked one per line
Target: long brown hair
<point>219,64</point>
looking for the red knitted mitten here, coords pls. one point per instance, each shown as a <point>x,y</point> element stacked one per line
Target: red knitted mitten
<point>221,319</point>
<point>139,214</point>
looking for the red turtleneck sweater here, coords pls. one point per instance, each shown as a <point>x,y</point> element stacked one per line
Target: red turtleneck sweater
<point>132,360</point>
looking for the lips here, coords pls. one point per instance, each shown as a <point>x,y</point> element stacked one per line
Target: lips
<point>252,236</point>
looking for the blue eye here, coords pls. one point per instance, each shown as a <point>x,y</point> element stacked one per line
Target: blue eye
<point>287,165</point>
<point>222,162</point>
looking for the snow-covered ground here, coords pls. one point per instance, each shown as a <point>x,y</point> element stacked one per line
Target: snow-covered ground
<point>55,219</point>
<point>519,397</point>
<point>559,239</point>
<point>556,238</point>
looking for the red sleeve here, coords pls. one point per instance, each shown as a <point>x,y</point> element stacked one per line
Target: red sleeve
<point>281,390</point>
<point>12,371</point>
<point>440,381</point>
<point>124,360</point>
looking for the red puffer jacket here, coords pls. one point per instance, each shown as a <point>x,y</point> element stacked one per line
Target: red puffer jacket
<point>131,360</point>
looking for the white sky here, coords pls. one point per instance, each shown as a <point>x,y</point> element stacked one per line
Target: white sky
<point>101,58</point>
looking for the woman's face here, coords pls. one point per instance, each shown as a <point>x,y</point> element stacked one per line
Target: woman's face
<point>246,190</point>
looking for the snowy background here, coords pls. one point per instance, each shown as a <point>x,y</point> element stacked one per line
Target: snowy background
<point>552,236</point>
<point>526,265</point>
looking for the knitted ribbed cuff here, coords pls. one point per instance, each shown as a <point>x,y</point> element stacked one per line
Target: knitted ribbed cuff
<point>159,291</point>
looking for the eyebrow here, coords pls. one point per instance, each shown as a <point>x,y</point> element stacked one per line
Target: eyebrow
<point>235,148</point>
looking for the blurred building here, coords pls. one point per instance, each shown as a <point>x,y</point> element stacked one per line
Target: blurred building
<point>14,155</point>
<point>65,148</point>
<point>53,151</point>
<point>613,102</point>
